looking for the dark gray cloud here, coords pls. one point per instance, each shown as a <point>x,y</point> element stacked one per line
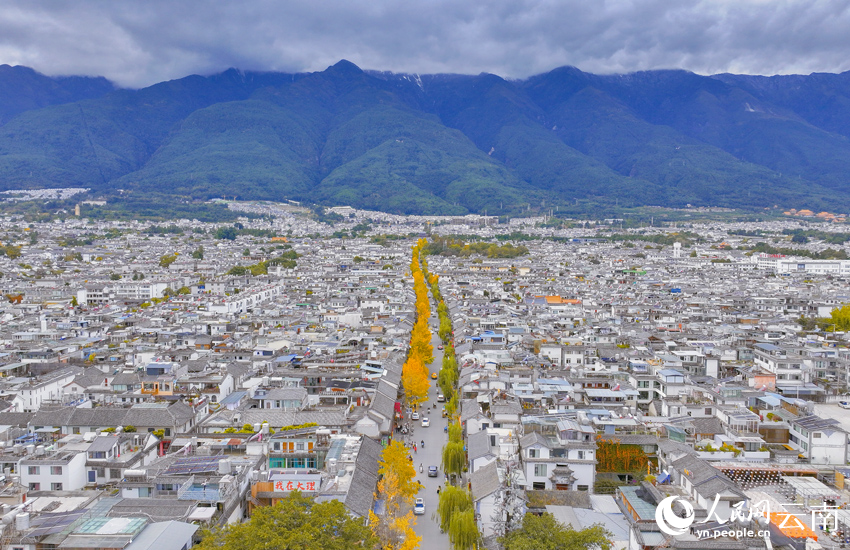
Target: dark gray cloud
<point>140,43</point>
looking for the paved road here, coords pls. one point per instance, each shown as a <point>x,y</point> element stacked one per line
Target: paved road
<point>427,525</point>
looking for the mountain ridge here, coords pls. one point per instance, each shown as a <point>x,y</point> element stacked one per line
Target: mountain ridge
<point>442,143</point>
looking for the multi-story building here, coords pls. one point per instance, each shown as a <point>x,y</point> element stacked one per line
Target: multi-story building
<point>55,471</point>
<point>820,440</point>
<point>558,453</point>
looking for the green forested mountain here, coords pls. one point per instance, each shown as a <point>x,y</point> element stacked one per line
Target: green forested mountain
<point>433,144</point>
<point>23,89</point>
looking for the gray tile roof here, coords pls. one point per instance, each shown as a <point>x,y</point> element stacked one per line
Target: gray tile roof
<point>288,394</point>
<point>707,425</point>
<point>484,481</point>
<point>126,379</point>
<point>102,444</point>
<point>706,479</point>
<point>510,407</point>
<point>175,415</point>
<point>19,419</point>
<point>478,445</point>
<point>88,379</point>
<point>469,408</point>
<point>534,438</point>
<point>54,417</point>
<point>364,480</point>
<point>279,418</point>
<point>382,403</point>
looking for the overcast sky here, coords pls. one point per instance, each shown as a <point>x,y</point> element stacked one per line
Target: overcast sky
<point>138,43</point>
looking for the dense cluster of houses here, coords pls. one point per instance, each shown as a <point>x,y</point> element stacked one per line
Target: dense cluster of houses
<point>142,399</point>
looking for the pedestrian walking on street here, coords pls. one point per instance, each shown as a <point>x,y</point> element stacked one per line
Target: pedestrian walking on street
<point>438,490</point>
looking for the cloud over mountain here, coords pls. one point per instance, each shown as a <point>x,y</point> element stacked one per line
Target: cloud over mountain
<point>141,43</point>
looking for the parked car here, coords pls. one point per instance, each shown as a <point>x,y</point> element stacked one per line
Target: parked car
<point>432,471</point>
<point>844,404</point>
<point>419,507</point>
<point>425,422</point>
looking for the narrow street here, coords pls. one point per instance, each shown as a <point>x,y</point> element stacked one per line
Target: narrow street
<point>427,525</point>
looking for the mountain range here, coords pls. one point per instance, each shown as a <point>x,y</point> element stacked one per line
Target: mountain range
<point>437,144</point>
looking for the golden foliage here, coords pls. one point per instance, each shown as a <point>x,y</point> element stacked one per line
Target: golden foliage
<point>397,487</point>
<point>414,378</point>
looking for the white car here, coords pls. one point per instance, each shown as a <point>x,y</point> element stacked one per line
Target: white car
<point>426,422</point>
<point>414,416</point>
<point>419,507</point>
<point>844,404</point>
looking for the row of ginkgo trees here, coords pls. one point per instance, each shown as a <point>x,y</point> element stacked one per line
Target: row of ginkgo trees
<point>454,509</point>
<point>397,486</point>
<point>414,374</point>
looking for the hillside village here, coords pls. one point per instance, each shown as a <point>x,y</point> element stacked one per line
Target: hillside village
<point>151,390</point>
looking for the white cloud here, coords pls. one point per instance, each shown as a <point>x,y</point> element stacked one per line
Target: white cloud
<point>140,43</point>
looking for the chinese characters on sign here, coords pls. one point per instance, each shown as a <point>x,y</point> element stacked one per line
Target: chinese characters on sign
<point>295,486</point>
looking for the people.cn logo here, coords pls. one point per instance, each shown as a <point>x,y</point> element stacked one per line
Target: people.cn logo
<point>667,519</point>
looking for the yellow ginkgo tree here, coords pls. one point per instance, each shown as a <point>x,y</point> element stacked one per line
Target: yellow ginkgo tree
<point>414,378</point>
<point>396,489</point>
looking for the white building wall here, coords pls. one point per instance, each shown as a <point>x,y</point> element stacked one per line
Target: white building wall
<point>828,448</point>
<point>72,477</point>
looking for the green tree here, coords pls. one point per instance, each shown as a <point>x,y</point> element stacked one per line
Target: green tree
<point>840,317</point>
<point>452,404</point>
<point>198,254</point>
<point>452,500</point>
<point>74,301</point>
<point>167,259</point>
<point>455,432</point>
<point>463,531</point>
<point>454,458</point>
<point>294,522</point>
<point>226,233</point>
<point>545,533</point>
<point>11,251</point>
